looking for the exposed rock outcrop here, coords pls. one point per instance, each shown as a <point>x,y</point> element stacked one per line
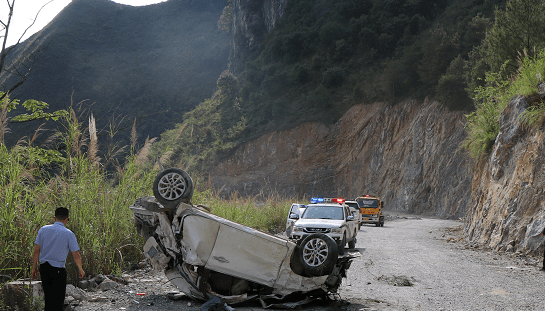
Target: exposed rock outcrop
<point>251,21</point>
<point>406,154</point>
<point>507,212</point>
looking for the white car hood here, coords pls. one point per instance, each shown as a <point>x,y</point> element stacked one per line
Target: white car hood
<point>319,223</point>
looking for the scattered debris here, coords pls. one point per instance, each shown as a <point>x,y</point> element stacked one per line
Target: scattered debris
<point>397,280</point>
<point>215,304</point>
<point>176,295</point>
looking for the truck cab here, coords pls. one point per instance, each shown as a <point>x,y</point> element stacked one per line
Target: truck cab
<point>371,210</point>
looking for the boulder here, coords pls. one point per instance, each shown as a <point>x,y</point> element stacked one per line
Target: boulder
<point>76,293</point>
<point>84,284</point>
<point>108,284</point>
<point>98,279</point>
<point>119,280</point>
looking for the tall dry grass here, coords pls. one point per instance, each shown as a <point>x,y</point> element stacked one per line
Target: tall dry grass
<point>100,217</point>
<point>98,202</point>
<point>267,214</point>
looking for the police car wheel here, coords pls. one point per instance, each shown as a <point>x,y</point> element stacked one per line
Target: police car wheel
<point>342,245</point>
<point>352,244</point>
<point>317,254</point>
<point>171,186</point>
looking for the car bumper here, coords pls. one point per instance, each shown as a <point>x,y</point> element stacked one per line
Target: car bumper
<point>370,220</point>
<point>302,235</point>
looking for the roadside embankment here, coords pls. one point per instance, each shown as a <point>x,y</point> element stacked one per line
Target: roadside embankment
<point>507,212</point>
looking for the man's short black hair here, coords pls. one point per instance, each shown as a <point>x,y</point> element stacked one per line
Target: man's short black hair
<point>61,213</point>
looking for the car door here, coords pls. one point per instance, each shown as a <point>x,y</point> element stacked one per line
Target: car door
<point>352,224</point>
<point>248,254</point>
<point>296,209</point>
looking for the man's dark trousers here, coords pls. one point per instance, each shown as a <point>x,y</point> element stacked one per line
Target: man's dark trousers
<point>54,286</point>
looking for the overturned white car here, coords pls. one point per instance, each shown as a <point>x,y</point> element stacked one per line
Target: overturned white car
<point>204,255</point>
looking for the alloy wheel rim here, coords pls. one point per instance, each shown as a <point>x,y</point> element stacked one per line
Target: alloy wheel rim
<point>172,186</point>
<point>315,252</point>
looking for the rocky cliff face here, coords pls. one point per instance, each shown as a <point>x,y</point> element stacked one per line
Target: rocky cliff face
<point>405,154</point>
<point>252,19</point>
<point>507,210</point>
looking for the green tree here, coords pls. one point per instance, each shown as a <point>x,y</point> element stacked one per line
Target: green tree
<point>36,110</point>
<point>451,86</point>
<point>518,29</point>
<point>226,19</point>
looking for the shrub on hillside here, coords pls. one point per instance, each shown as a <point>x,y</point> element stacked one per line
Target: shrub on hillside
<point>490,100</point>
<point>302,75</point>
<point>333,77</point>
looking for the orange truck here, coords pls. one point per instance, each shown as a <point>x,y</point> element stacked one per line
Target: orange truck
<point>371,210</point>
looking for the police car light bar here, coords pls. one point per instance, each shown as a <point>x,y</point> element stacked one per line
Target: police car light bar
<point>327,200</point>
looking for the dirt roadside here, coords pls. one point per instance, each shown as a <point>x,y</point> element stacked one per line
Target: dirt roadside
<point>412,263</point>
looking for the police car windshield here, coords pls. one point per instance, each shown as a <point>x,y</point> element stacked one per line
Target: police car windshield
<point>367,202</point>
<point>323,212</point>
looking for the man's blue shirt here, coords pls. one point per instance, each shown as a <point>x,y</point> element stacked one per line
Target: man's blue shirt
<point>55,241</point>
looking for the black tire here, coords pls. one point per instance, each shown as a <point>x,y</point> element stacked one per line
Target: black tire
<point>172,186</point>
<point>377,224</point>
<point>342,245</point>
<point>352,244</point>
<point>317,254</point>
<point>295,261</point>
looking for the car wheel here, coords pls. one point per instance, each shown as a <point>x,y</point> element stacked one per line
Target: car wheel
<point>171,186</point>
<point>352,244</point>
<point>295,261</point>
<point>342,245</point>
<point>317,254</point>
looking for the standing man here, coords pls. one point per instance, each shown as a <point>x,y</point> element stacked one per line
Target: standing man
<point>51,247</point>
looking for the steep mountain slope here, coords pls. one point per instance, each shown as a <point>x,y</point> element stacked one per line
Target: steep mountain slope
<point>322,57</point>
<point>130,61</point>
<point>405,154</point>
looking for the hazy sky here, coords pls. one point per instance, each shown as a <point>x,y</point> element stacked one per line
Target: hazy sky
<point>25,11</point>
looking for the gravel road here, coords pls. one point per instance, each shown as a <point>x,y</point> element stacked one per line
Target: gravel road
<point>412,263</point>
<point>445,273</point>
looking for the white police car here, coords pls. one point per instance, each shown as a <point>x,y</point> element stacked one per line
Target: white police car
<point>329,216</point>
